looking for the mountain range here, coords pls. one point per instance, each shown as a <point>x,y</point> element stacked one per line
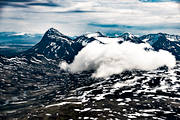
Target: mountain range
<point>11,43</point>
<point>57,46</point>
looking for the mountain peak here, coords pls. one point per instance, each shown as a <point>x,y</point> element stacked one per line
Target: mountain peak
<point>127,35</point>
<point>96,34</point>
<point>53,35</point>
<point>53,31</point>
<point>53,45</point>
<point>99,33</point>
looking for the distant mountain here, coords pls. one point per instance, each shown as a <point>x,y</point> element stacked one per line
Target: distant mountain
<point>12,43</point>
<point>164,41</point>
<point>87,38</point>
<point>83,40</point>
<point>130,37</point>
<point>13,38</point>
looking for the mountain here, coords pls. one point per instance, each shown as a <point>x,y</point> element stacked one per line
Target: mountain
<point>83,40</point>
<point>53,45</point>
<point>164,41</point>
<point>130,37</point>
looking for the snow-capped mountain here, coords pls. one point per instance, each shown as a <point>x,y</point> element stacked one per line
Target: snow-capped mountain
<point>83,40</point>
<point>164,41</point>
<point>130,37</point>
<point>54,45</point>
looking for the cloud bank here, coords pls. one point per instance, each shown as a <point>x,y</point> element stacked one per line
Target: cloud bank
<point>114,58</point>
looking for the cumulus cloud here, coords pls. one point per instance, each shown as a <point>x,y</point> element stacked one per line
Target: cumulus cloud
<point>114,58</point>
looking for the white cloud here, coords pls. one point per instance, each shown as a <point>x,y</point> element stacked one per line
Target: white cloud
<point>113,58</point>
<point>66,7</point>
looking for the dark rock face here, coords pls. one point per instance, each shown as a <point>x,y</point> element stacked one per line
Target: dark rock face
<point>154,82</point>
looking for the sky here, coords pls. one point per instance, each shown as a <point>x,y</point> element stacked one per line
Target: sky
<point>76,17</point>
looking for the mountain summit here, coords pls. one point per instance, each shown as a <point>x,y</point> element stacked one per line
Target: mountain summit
<point>53,31</point>
<point>53,45</point>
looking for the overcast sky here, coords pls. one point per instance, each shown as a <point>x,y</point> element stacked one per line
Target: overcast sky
<point>75,17</point>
